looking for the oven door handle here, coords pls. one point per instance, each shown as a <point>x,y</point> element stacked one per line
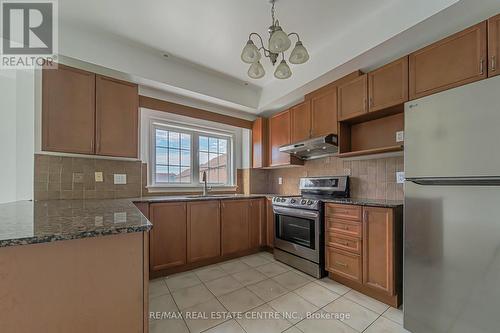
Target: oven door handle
<point>296,212</point>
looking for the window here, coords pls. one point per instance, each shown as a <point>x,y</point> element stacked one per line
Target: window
<point>180,155</point>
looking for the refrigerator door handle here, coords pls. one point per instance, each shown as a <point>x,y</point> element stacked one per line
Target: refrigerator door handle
<point>456,181</point>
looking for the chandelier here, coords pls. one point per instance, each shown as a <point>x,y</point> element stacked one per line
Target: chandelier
<point>279,42</point>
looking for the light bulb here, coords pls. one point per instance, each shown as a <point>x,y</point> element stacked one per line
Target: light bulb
<point>279,41</point>
<point>256,70</point>
<point>299,54</point>
<point>250,53</point>
<point>283,71</point>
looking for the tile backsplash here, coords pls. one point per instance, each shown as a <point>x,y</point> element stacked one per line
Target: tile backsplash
<point>61,177</point>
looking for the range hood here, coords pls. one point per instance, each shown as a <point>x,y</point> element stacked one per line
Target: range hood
<point>313,148</point>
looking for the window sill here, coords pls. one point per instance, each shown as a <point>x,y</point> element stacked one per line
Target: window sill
<point>189,189</point>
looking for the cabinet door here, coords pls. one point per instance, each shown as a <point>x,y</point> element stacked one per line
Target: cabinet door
<point>388,85</point>
<point>301,122</point>
<point>493,45</point>
<point>234,218</point>
<point>117,110</point>
<point>270,223</point>
<point>68,110</point>
<point>378,249</point>
<point>353,98</point>
<point>279,135</point>
<point>203,230</point>
<point>167,244</point>
<point>256,223</point>
<point>324,114</point>
<point>451,62</point>
<point>260,143</point>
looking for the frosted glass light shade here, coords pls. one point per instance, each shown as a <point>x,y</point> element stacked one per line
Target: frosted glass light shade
<point>279,41</point>
<point>299,54</point>
<point>283,71</point>
<point>256,70</point>
<point>250,53</point>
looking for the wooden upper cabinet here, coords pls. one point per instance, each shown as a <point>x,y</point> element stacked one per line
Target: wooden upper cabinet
<point>448,63</point>
<point>260,143</point>
<point>388,85</point>
<point>324,113</point>
<point>257,232</point>
<point>117,111</point>
<point>353,98</point>
<point>68,117</point>
<point>203,230</point>
<point>167,240</point>
<point>493,45</point>
<point>235,227</point>
<point>378,249</point>
<point>300,122</point>
<point>279,135</point>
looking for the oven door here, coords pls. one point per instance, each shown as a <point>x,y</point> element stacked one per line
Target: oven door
<point>297,231</point>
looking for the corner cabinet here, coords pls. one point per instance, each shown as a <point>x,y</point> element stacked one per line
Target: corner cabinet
<point>279,135</point>
<point>493,45</point>
<point>364,249</point>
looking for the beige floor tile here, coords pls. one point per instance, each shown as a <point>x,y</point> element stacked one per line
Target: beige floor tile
<point>359,316</point>
<point>333,285</point>
<point>210,273</point>
<point>383,325</point>
<point>316,294</point>
<point>293,329</point>
<point>157,287</point>
<point>291,280</point>
<point>162,303</point>
<point>255,260</point>
<point>180,281</point>
<point>230,326</point>
<point>250,276</point>
<point>267,255</point>
<point>263,320</point>
<point>240,300</point>
<point>168,325</point>
<point>268,290</point>
<point>314,325</point>
<point>293,307</point>
<point>201,316</point>
<point>223,285</point>
<point>234,266</point>
<point>394,314</point>
<point>367,301</point>
<point>273,269</point>
<point>191,296</point>
<point>307,276</point>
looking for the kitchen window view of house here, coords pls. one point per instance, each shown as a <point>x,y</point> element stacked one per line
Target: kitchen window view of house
<point>181,156</point>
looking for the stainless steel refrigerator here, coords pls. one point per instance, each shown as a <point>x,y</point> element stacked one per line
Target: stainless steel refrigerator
<point>452,211</point>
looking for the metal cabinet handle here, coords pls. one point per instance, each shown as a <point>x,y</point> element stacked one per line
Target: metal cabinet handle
<point>493,63</point>
<point>365,104</point>
<point>481,67</point>
<point>338,263</point>
<point>371,101</point>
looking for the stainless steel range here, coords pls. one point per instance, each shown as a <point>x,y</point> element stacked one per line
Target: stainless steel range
<point>299,223</point>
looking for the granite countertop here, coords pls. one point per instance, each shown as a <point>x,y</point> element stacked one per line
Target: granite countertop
<point>31,222</point>
<point>153,199</point>
<point>366,202</point>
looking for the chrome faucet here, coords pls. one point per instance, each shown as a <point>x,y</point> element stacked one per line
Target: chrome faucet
<point>204,180</point>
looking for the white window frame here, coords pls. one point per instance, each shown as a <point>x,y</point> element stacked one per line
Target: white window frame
<point>195,132</point>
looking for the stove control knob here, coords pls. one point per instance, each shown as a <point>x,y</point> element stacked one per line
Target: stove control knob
<point>309,202</point>
<point>303,202</point>
<point>292,201</point>
<point>283,199</point>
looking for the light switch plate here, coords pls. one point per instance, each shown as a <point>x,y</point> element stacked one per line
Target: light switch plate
<point>400,177</point>
<point>98,177</point>
<point>120,179</point>
<point>280,180</point>
<point>400,136</point>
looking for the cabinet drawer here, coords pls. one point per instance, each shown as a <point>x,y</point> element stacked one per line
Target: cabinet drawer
<point>344,243</point>
<point>348,212</point>
<point>343,263</point>
<point>344,227</point>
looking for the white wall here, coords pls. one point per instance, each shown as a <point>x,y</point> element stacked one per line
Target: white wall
<point>17,104</point>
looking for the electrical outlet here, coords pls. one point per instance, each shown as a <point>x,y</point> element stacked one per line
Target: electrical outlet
<point>98,177</point>
<point>347,172</point>
<point>400,177</point>
<point>400,136</point>
<point>120,179</point>
<point>280,180</point>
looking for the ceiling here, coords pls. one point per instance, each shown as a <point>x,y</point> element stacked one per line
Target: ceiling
<point>204,40</point>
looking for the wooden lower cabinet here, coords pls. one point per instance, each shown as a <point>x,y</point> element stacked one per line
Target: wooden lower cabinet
<point>257,227</point>
<point>235,227</point>
<point>366,253</point>
<point>269,223</point>
<point>203,230</point>
<point>167,247</point>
